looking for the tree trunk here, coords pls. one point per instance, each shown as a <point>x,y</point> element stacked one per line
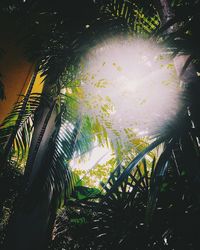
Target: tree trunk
<point>10,141</point>
<point>32,218</point>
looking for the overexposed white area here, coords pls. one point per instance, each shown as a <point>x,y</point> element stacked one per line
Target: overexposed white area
<point>130,85</point>
<point>98,155</point>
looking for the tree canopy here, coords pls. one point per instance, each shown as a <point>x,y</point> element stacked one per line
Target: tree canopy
<point>148,197</point>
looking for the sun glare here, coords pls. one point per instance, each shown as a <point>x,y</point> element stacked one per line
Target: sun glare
<point>130,85</point>
<point>99,155</point>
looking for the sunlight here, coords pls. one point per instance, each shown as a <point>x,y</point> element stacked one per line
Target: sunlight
<point>98,155</point>
<point>130,85</point>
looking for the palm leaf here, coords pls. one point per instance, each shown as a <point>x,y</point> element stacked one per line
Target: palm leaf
<point>21,108</point>
<point>134,163</point>
<point>19,125</point>
<point>71,137</point>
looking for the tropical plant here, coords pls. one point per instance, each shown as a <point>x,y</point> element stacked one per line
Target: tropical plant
<point>50,132</point>
<point>144,210</point>
<point>135,212</point>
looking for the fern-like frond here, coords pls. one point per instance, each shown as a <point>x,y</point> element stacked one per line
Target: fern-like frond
<point>22,139</point>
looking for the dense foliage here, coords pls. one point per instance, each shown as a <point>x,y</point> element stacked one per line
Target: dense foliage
<point>151,199</point>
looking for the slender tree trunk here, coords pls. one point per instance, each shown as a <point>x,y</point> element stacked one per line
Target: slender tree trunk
<point>10,141</point>
<point>29,227</point>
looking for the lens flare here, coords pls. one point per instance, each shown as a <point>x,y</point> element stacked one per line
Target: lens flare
<point>130,85</point>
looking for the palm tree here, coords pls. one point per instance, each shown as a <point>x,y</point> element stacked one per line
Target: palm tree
<point>48,131</point>
<point>56,45</point>
<point>173,169</point>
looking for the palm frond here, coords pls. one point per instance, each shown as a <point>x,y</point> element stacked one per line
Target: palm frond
<point>134,164</point>
<point>140,16</point>
<point>71,137</point>
<point>21,108</point>
<point>20,126</point>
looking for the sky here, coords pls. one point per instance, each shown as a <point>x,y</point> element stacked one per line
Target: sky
<point>99,155</point>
